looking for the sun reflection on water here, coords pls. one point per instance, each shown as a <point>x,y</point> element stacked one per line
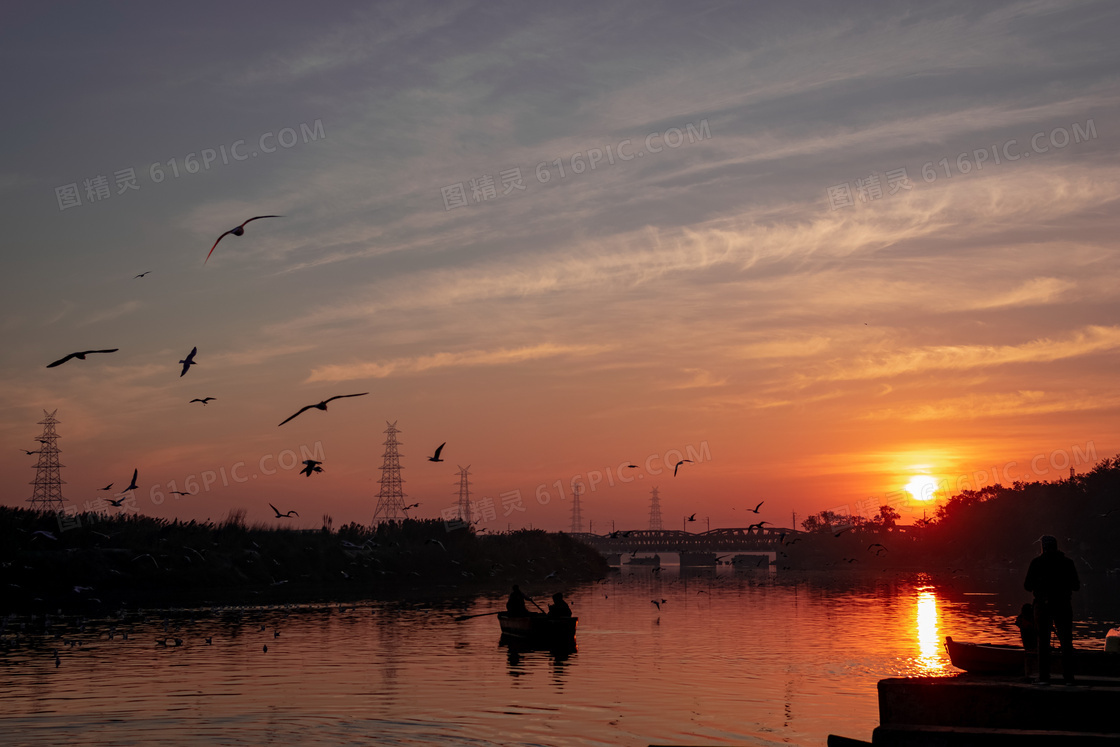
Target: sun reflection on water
<point>931,657</point>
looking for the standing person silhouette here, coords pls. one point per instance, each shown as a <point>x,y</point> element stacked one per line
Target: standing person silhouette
<point>1053,579</point>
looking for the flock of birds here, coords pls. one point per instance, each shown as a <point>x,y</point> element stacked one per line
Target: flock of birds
<point>311,466</point>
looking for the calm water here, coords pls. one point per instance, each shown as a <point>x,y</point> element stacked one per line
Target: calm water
<point>729,658</point>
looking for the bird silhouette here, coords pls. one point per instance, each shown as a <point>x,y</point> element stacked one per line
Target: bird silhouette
<point>280,515</point>
<point>837,534</point>
<point>692,518</point>
<point>29,453</point>
<point>203,400</point>
<point>238,231</point>
<point>757,526</point>
<point>80,356</point>
<point>435,457</point>
<point>117,503</point>
<point>876,544</point>
<point>312,466</point>
<point>188,362</point>
<point>131,485</point>
<point>432,541</point>
<point>413,505</point>
<point>755,509</point>
<point>658,603</point>
<point>107,487</point>
<point>322,405</point>
<point>631,466</point>
<point>179,492</point>
<point>142,274</point>
<point>683,461</point>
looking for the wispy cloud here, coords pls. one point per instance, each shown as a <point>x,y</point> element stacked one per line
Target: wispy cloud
<point>399,366</point>
<point>1092,339</point>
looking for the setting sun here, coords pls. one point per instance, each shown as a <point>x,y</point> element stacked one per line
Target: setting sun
<point>922,487</point>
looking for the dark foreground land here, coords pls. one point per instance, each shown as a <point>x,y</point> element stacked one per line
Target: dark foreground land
<point>144,561</point>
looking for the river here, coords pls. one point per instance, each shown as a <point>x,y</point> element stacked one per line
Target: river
<point>728,658</point>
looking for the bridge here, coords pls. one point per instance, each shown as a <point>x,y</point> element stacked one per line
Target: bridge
<point>751,540</point>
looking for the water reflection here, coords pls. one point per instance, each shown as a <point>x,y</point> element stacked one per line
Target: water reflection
<point>931,659</point>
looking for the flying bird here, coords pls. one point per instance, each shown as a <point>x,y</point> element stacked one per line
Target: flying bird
<point>658,603</point>
<point>435,457</point>
<point>131,485</point>
<point>188,362</point>
<point>179,492</point>
<point>118,503</point>
<point>29,453</point>
<point>323,405</point>
<point>312,466</point>
<point>631,466</point>
<point>280,515</point>
<point>238,231</point>
<point>683,461</point>
<point>413,505</point>
<point>80,356</point>
<point>758,525</point>
<point>837,534</point>
<point>203,400</point>
<point>755,509</point>
<point>692,518</point>
<point>142,274</point>
<point>107,487</point>
<point>436,542</point>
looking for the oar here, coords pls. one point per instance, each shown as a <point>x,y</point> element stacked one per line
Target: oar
<point>460,618</point>
<point>535,604</point>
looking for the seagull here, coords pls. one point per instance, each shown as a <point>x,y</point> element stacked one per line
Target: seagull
<point>837,534</point>
<point>204,400</point>
<point>683,461</point>
<point>692,518</point>
<point>238,231</point>
<point>80,356</point>
<point>755,509</point>
<point>876,544</point>
<point>435,457</point>
<point>132,485</point>
<point>658,603</point>
<point>42,533</point>
<point>631,466</point>
<point>188,362</point>
<point>280,515</point>
<point>312,466</point>
<point>323,405</point>
<point>29,453</point>
<point>436,542</point>
<point>759,525</point>
<point>179,492</point>
<point>142,274</point>
<point>414,505</point>
<point>116,503</point>
<point>106,487</point>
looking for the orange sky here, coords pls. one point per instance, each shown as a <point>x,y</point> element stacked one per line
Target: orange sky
<point>720,295</point>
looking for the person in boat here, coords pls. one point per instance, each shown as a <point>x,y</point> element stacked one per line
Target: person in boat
<point>1052,577</point>
<point>515,605</point>
<point>559,608</point>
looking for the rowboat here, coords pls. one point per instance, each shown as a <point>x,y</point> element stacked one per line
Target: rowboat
<point>998,658</point>
<point>538,627</point>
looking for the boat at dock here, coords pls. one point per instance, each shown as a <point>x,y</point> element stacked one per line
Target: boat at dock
<point>1003,659</point>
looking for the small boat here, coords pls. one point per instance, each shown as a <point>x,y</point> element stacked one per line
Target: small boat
<point>998,658</point>
<point>538,627</point>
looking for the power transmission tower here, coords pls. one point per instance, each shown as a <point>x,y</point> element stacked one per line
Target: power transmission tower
<point>655,511</point>
<point>390,500</point>
<point>464,495</point>
<point>577,518</point>
<point>48,482</point>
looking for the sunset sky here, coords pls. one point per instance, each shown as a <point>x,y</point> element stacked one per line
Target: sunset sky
<point>746,276</point>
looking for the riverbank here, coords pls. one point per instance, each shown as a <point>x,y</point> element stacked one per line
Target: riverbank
<point>134,560</point>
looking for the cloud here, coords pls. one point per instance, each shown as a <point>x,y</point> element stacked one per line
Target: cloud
<point>470,358</point>
<point>1092,339</point>
<point>117,311</point>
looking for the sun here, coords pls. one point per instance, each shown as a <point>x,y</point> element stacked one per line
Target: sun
<point>922,487</point>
